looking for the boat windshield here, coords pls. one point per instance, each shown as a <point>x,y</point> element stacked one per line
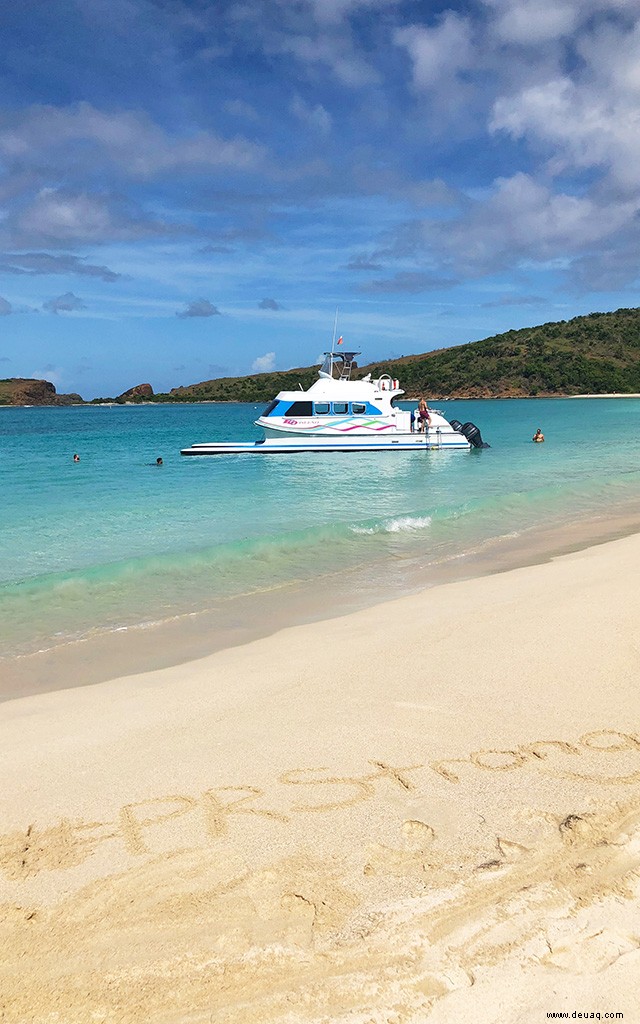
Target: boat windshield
<point>339,365</point>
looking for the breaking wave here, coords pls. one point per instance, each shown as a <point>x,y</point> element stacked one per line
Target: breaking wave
<point>400,524</point>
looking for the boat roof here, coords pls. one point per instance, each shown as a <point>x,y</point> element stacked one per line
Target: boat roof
<point>340,352</point>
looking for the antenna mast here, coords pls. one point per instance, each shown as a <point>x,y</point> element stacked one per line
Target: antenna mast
<point>335,324</point>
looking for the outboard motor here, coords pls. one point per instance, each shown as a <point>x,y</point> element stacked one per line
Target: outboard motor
<point>473,435</point>
<point>471,432</point>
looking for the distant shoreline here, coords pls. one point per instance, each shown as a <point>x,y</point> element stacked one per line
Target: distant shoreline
<point>235,401</point>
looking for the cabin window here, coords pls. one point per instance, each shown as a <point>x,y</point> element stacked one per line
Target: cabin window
<point>322,408</point>
<point>271,406</point>
<point>340,408</point>
<point>357,409</point>
<point>300,409</point>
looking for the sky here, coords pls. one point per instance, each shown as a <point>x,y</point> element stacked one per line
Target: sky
<point>191,189</point>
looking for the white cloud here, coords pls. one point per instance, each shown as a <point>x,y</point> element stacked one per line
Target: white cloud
<point>531,22</point>
<point>582,127</point>
<point>60,136</point>
<point>64,217</point>
<point>570,102</point>
<point>239,108</point>
<point>317,117</point>
<point>333,50</point>
<point>538,221</point>
<point>612,54</point>
<point>586,125</point>
<point>264,364</point>
<point>56,216</point>
<point>437,53</point>
<point>520,223</point>
<point>534,22</point>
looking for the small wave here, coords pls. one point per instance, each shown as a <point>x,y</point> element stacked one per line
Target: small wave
<point>403,524</point>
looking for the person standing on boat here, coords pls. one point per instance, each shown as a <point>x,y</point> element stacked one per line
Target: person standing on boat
<point>424,417</point>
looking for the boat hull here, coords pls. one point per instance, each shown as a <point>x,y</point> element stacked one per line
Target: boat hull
<point>289,445</point>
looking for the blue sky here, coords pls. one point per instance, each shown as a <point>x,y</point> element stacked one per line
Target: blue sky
<point>189,189</point>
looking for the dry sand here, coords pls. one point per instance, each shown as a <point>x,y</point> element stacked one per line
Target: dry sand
<point>426,811</point>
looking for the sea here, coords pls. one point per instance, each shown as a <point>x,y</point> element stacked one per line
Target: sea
<point>200,553</point>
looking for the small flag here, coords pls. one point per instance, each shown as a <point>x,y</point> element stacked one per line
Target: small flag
<point>340,340</point>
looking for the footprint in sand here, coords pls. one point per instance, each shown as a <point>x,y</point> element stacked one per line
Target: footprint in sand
<point>590,954</point>
<point>24,853</point>
<point>509,853</point>
<point>383,860</point>
<point>418,833</point>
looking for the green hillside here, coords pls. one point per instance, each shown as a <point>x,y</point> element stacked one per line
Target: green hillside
<point>591,354</point>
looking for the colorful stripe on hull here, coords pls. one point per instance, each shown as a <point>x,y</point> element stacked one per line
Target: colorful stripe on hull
<point>262,448</point>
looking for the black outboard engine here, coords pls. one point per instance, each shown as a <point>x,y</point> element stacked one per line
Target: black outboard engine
<point>471,432</point>
<point>473,435</point>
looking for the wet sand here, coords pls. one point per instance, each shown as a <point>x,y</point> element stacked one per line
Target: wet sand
<point>424,810</point>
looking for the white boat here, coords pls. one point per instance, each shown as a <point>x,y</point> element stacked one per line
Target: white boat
<point>338,414</point>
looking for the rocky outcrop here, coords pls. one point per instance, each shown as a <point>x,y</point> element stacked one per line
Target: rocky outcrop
<point>139,393</point>
<point>25,391</point>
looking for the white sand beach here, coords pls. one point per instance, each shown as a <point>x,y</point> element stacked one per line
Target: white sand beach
<point>425,811</point>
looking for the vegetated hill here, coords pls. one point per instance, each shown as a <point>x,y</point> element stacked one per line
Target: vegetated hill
<point>592,354</point>
<point>259,387</point>
<point>25,391</point>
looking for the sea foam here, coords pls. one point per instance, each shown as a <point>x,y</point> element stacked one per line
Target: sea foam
<point>400,524</point>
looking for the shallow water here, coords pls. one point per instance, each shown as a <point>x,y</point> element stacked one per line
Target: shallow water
<point>115,541</point>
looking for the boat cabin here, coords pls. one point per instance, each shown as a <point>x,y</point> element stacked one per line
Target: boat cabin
<point>286,407</point>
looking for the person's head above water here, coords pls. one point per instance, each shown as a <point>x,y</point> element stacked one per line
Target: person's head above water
<point>76,458</point>
<point>158,461</point>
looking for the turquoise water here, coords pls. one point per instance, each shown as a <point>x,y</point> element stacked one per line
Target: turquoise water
<point>115,541</point>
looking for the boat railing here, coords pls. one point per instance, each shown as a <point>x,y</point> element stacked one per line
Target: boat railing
<point>386,383</point>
